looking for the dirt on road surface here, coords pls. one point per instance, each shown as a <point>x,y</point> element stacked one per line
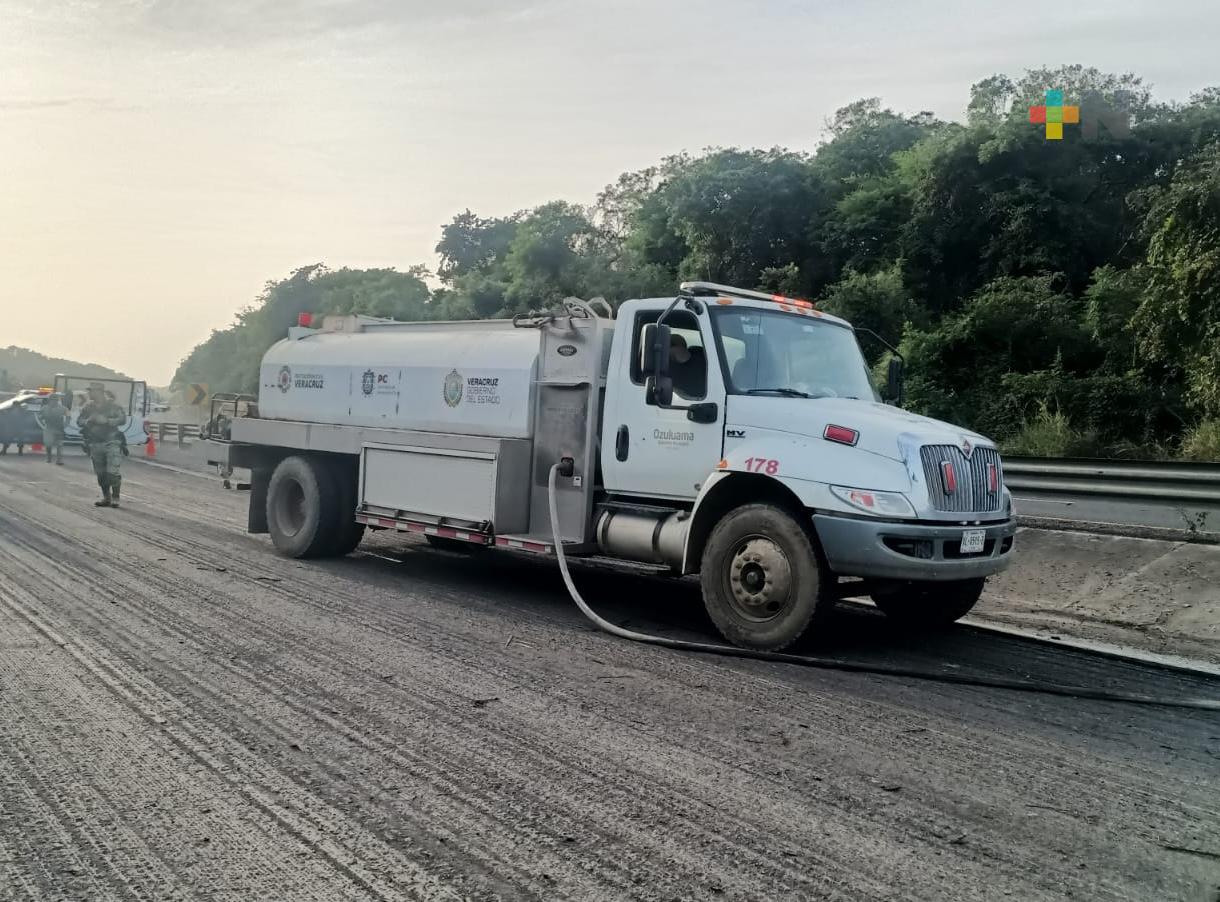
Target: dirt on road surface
<point>184,715</point>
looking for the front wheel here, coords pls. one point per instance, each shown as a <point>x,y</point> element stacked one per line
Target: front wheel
<point>763,584</point>
<point>930,604</point>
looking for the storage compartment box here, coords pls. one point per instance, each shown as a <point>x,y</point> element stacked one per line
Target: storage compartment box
<point>486,481</point>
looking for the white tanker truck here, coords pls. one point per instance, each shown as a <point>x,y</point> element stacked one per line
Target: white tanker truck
<point>723,432</point>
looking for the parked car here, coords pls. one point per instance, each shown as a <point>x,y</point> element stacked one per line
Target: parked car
<point>18,420</point>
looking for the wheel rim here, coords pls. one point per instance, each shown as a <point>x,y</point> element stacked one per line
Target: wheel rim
<point>760,580</point>
<point>290,507</point>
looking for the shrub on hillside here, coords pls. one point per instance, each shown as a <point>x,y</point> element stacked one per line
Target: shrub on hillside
<point>1203,442</point>
<point>1050,433</point>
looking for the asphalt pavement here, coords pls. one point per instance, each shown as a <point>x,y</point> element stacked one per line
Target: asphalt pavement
<point>185,715</point>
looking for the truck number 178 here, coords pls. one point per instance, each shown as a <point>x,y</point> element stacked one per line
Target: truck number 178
<point>762,465</point>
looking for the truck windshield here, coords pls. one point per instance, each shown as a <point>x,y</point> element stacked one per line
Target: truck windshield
<point>791,355</point>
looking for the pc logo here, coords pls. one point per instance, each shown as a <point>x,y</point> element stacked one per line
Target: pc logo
<point>1053,114</point>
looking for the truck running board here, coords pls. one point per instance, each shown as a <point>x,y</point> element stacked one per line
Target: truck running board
<point>428,529</point>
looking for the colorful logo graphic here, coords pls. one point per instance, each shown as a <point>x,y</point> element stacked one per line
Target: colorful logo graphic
<point>454,387</point>
<point>285,379</point>
<point>1054,115</point>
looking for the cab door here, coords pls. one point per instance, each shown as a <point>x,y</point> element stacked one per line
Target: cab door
<point>653,451</point>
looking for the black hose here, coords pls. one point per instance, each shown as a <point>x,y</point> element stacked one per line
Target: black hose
<point>1018,685</point>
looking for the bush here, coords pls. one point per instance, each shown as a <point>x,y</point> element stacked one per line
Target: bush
<point>1050,434</point>
<point>1203,442</point>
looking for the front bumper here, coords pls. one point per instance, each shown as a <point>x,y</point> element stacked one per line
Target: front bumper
<point>914,551</point>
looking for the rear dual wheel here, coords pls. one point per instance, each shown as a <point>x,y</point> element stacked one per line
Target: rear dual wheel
<point>311,505</point>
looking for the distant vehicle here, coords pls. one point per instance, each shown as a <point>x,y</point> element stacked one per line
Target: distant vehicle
<point>129,394</point>
<point>19,419</point>
<point>159,407</point>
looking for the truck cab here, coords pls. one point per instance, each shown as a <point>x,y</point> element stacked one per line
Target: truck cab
<point>730,399</point>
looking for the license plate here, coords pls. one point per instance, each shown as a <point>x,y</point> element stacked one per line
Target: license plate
<point>972,541</point>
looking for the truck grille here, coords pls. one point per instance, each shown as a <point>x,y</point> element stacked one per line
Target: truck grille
<point>971,479</point>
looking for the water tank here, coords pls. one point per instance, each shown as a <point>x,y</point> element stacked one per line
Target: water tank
<point>469,378</point>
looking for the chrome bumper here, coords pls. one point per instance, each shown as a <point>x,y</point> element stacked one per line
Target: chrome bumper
<point>914,551</point>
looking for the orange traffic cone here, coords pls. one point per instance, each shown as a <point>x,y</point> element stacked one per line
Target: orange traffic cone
<point>150,448</point>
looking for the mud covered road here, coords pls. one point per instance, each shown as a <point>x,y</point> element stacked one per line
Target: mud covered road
<point>184,715</point>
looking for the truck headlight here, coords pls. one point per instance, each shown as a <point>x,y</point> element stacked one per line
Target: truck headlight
<point>881,504</point>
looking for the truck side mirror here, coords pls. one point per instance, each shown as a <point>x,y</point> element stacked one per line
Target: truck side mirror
<point>659,390</point>
<point>893,387</point>
<point>654,350</point>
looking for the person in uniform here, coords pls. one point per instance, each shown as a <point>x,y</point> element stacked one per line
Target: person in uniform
<point>53,416</point>
<point>101,421</point>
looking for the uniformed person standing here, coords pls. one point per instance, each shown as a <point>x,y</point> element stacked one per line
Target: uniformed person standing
<point>53,416</point>
<point>101,421</point>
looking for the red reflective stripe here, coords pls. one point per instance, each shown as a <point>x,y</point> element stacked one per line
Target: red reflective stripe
<point>524,546</point>
<point>447,532</point>
<point>948,476</point>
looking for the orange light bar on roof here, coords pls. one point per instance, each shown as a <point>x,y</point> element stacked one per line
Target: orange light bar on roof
<point>795,302</point>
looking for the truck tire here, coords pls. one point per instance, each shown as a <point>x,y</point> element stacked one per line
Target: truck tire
<point>348,532</point>
<point>764,585</point>
<point>302,508</point>
<point>931,604</point>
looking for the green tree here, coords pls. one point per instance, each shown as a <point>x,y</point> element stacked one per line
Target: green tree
<point>728,216</point>
<point>1178,321</point>
<point>470,243</point>
<point>229,360</point>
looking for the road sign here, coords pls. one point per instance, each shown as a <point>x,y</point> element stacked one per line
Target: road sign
<point>197,394</point>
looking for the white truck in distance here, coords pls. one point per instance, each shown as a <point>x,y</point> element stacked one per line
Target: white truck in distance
<point>723,432</point>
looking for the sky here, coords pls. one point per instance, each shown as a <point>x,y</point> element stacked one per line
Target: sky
<point>161,160</point>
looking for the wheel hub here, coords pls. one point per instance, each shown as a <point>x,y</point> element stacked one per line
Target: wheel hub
<point>760,578</point>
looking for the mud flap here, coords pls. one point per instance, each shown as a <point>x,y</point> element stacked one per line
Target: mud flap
<point>256,520</point>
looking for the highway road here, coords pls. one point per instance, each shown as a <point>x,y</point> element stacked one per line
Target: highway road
<point>184,715</point>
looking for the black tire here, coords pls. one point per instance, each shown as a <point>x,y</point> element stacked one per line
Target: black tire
<point>348,532</point>
<point>302,508</point>
<point>456,545</point>
<point>930,605</point>
<point>764,585</point>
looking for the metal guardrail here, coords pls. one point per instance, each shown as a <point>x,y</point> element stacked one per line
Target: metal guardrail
<point>182,433</point>
<point>1175,481</point>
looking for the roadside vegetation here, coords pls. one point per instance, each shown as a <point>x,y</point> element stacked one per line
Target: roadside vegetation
<point>1060,296</point>
<point>22,368</point>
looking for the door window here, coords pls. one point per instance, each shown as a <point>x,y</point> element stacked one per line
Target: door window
<point>687,354</point>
